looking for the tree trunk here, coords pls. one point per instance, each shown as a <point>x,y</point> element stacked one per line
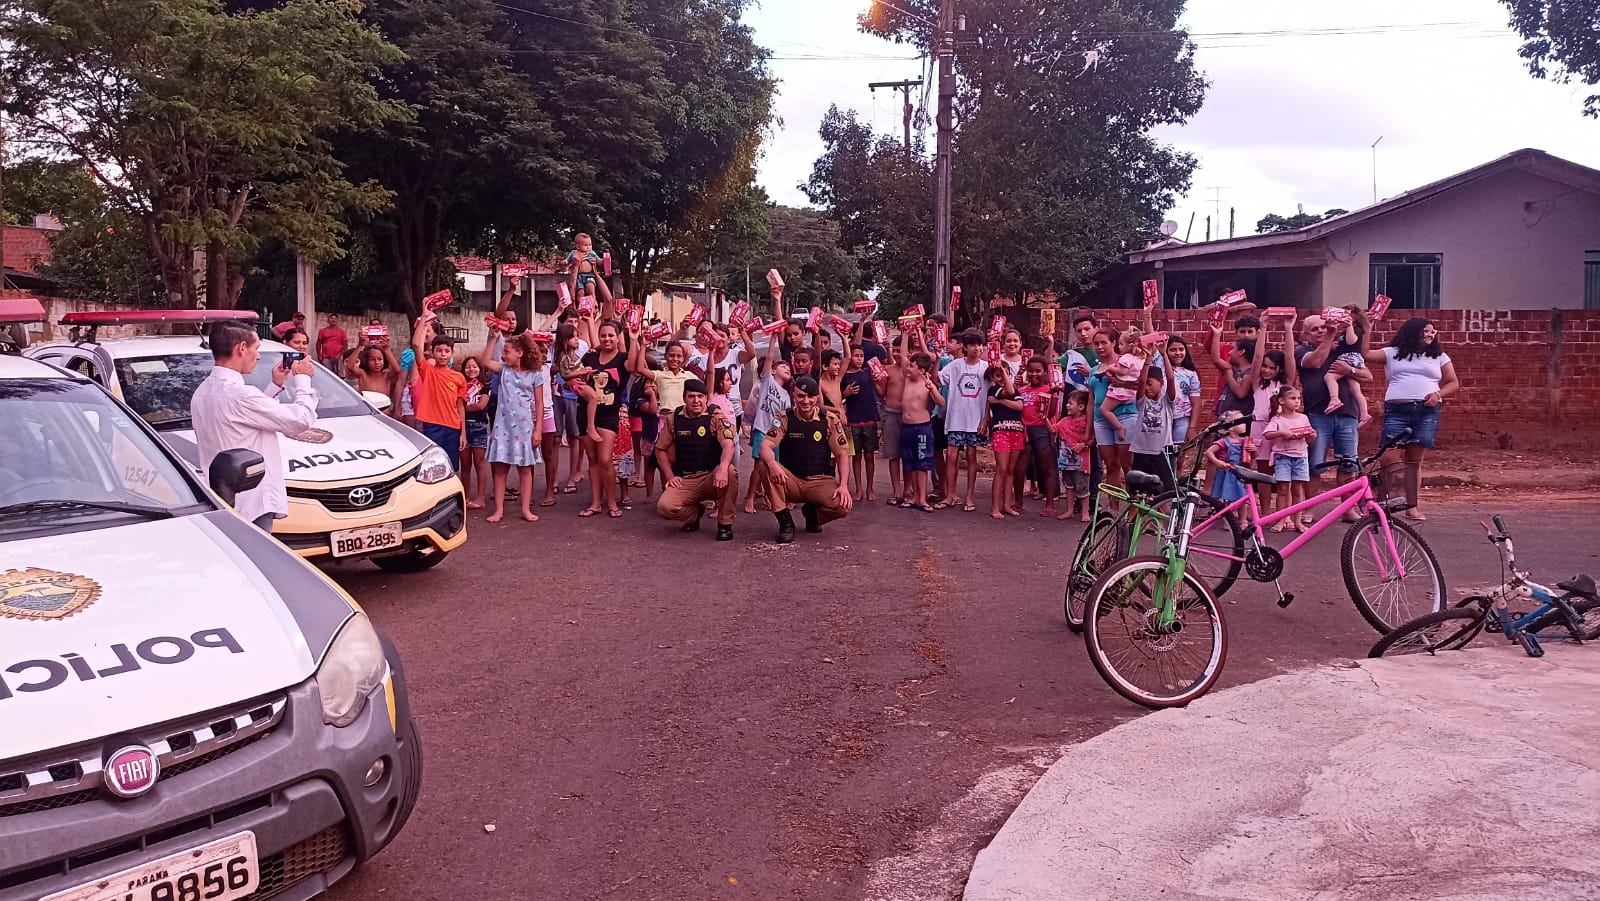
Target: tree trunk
<point>218,296</point>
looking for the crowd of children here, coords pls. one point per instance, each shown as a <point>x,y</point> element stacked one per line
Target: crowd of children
<point>593,379</point>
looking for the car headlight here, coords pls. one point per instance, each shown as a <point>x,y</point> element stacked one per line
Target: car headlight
<point>435,466</point>
<point>353,667</point>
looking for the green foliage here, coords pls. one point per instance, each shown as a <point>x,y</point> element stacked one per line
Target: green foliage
<point>1561,41</point>
<point>1272,222</point>
<point>1055,169</point>
<point>210,129</point>
<point>45,187</point>
<point>805,247</point>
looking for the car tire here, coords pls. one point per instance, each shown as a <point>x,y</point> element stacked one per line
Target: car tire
<point>410,562</point>
<point>409,759</point>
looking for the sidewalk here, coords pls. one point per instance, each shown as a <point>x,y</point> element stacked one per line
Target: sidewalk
<point>1473,775</point>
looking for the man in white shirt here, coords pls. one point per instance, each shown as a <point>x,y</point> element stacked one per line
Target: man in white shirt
<point>229,414</point>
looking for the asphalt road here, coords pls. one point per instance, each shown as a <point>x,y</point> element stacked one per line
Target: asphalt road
<point>645,714</point>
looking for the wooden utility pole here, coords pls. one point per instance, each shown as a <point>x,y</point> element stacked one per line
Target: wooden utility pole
<point>904,87</point>
<point>945,48</point>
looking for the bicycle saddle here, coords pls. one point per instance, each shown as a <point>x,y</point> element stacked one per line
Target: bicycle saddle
<point>1250,475</point>
<point>1144,483</point>
<point>1579,584</point>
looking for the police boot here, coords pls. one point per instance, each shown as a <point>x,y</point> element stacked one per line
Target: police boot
<point>809,511</point>
<point>693,525</point>
<point>724,532</point>
<point>785,527</point>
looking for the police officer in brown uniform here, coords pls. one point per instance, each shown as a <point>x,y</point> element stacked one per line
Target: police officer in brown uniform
<point>695,445</point>
<point>816,460</point>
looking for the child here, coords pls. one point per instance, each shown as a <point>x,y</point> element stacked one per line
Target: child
<point>921,395</point>
<point>1124,373</point>
<point>1072,460</point>
<point>770,398</point>
<point>518,413</point>
<point>861,415</point>
<point>474,460</point>
<point>1184,423</point>
<point>721,387</point>
<point>1290,459</point>
<point>1228,451</point>
<point>644,414</point>
<point>891,387</point>
<point>1038,418</point>
<point>1348,352</point>
<point>669,382</point>
<point>622,454</point>
<point>1006,436</point>
<point>1152,427</point>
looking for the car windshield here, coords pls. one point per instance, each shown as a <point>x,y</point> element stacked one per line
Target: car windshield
<point>68,449</point>
<point>159,388</point>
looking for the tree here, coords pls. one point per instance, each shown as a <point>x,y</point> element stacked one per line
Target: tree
<point>805,247</point>
<point>1561,41</point>
<point>1055,169</point>
<point>882,200</point>
<point>208,129</point>
<point>478,166</point>
<point>667,107</point>
<point>1272,222</point>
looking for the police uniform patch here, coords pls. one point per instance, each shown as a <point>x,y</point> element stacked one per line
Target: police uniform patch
<point>701,431</point>
<point>816,436</point>
<point>41,594</point>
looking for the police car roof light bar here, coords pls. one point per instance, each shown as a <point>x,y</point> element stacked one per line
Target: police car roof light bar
<point>93,321</point>
<point>21,309</point>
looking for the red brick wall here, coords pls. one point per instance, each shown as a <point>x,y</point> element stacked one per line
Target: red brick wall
<point>1522,372</point>
<point>26,248</point>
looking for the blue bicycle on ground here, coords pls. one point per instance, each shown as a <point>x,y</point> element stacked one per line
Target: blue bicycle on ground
<point>1570,610</point>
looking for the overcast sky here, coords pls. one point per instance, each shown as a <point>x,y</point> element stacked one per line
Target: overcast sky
<point>1289,118</point>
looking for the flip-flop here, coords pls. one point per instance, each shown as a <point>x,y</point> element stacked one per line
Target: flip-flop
<point>615,514</point>
<point>570,489</point>
<point>969,508</point>
<point>942,505</point>
<point>896,501</point>
<point>586,512</point>
<point>547,503</point>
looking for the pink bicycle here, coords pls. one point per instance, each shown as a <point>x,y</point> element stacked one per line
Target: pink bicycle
<point>1153,627</point>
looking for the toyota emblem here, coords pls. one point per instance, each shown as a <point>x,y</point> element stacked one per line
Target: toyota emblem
<point>131,771</point>
<point>360,497</point>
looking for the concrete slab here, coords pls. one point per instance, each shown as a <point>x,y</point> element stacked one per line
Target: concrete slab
<point>1473,775</point>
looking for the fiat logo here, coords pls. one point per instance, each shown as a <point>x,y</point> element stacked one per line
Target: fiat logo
<point>360,497</point>
<point>132,771</point>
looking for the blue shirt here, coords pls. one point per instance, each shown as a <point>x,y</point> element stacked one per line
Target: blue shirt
<point>1100,383</point>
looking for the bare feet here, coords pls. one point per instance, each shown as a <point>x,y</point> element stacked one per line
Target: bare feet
<point>1067,517</point>
<point>1048,511</point>
<point>495,517</point>
<point>996,514</point>
<point>474,505</point>
<point>529,516</point>
<point>870,497</point>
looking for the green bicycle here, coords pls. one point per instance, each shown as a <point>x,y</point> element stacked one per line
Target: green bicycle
<point>1146,508</point>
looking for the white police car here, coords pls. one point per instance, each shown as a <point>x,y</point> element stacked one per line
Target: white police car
<point>187,710</point>
<point>361,485</point>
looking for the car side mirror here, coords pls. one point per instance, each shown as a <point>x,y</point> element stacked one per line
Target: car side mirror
<point>379,402</point>
<point>236,470</point>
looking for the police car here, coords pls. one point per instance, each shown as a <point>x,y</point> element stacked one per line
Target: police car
<point>361,484</point>
<point>187,710</point>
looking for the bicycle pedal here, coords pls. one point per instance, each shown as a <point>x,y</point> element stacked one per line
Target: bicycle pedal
<point>1285,600</point>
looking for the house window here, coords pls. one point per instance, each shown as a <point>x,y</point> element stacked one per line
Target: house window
<point>1591,280</point>
<point>1411,280</point>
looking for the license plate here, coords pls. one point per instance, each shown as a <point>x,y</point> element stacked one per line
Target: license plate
<point>226,868</point>
<point>364,541</point>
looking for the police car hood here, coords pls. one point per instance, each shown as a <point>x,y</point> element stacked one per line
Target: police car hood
<point>109,630</point>
<point>361,447</point>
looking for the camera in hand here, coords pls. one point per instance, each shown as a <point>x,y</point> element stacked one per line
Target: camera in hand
<point>291,357</point>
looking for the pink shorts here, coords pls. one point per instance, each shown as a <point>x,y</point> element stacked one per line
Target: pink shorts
<point>1005,441</point>
<point>548,427</point>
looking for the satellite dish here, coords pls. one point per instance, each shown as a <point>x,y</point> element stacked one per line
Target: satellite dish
<point>1169,228</point>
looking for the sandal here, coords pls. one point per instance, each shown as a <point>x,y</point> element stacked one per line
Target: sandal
<point>896,501</point>
<point>549,503</point>
<point>587,512</point>
<point>969,508</point>
<point>570,489</point>
<point>1281,525</point>
<point>614,514</point>
<point>942,505</point>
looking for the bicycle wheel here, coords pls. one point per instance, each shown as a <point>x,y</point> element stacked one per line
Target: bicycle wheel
<point>1385,598</point>
<point>1554,622</point>
<point>1216,552</point>
<point>1443,630</point>
<point>1144,663</point>
<point>1100,544</point>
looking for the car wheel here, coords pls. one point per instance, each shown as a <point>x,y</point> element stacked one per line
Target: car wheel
<point>410,562</point>
<point>410,761</point>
